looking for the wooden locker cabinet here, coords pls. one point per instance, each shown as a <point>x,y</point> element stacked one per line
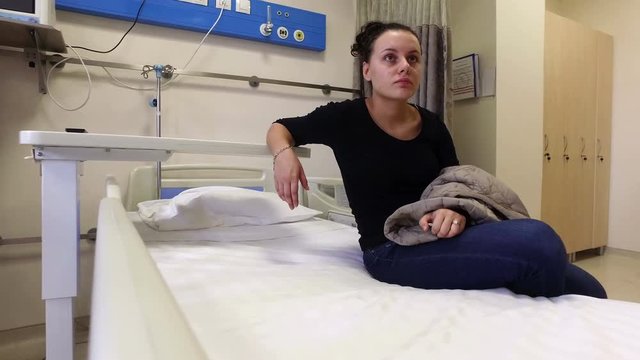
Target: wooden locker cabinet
<point>603,140</point>
<point>577,130</point>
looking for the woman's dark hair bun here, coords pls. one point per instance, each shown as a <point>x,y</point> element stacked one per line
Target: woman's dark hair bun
<point>355,50</point>
<point>368,34</point>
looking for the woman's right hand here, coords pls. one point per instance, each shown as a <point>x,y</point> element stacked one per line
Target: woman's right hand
<point>287,172</point>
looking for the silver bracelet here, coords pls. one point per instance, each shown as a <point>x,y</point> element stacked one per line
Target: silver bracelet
<point>280,152</point>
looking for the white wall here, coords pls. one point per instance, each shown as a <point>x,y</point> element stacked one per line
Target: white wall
<point>519,98</point>
<point>473,28</point>
<point>192,108</point>
<point>620,19</point>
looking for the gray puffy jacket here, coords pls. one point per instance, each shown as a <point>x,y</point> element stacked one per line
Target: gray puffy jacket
<point>467,189</point>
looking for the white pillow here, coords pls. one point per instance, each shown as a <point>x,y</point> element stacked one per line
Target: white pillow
<point>210,206</point>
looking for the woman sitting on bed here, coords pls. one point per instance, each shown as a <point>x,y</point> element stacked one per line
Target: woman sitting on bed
<point>388,151</point>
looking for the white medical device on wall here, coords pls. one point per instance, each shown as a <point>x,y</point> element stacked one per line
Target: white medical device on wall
<point>36,11</point>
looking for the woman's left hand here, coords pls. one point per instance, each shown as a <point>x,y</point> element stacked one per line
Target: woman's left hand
<point>443,223</point>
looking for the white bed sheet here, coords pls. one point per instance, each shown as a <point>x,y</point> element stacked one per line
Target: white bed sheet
<point>306,295</point>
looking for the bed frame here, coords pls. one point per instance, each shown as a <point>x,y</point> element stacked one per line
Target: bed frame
<point>155,328</point>
<point>59,154</point>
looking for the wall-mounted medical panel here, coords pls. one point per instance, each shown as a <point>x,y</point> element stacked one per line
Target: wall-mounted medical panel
<point>290,26</point>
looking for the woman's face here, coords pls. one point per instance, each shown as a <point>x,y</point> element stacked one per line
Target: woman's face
<point>394,67</point>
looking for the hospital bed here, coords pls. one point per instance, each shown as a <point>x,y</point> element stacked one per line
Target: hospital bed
<point>297,291</point>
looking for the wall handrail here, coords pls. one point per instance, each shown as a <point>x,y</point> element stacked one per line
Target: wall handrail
<point>253,81</point>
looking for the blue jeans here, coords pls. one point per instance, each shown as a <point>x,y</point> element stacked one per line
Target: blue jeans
<point>525,256</point>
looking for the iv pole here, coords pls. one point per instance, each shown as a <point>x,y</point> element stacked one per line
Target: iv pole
<point>162,71</point>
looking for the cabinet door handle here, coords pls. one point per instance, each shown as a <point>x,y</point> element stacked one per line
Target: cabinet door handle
<point>582,154</point>
<point>566,144</point>
<point>547,155</point>
<point>599,146</point>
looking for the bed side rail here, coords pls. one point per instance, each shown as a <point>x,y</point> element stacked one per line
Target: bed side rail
<point>133,313</point>
<point>326,195</point>
<point>113,189</point>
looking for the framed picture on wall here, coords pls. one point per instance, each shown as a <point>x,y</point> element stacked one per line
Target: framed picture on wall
<point>466,79</point>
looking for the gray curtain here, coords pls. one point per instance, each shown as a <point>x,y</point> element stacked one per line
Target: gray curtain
<point>429,19</point>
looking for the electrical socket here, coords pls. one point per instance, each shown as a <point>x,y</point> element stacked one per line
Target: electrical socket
<point>226,4</point>
<point>243,6</point>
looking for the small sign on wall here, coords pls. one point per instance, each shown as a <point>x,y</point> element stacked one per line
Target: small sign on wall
<point>466,79</point>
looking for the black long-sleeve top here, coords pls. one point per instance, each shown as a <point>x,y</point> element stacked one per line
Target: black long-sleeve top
<point>380,172</point>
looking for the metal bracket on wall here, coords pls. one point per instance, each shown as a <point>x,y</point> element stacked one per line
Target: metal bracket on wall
<point>35,39</point>
<point>35,60</point>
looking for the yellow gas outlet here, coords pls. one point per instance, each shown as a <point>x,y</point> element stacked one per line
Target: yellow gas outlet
<point>298,35</point>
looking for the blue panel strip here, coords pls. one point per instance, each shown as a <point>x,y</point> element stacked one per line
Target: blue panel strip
<point>170,193</point>
<point>187,16</point>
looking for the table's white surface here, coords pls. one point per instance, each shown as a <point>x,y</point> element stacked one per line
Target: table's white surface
<point>178,145</point>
